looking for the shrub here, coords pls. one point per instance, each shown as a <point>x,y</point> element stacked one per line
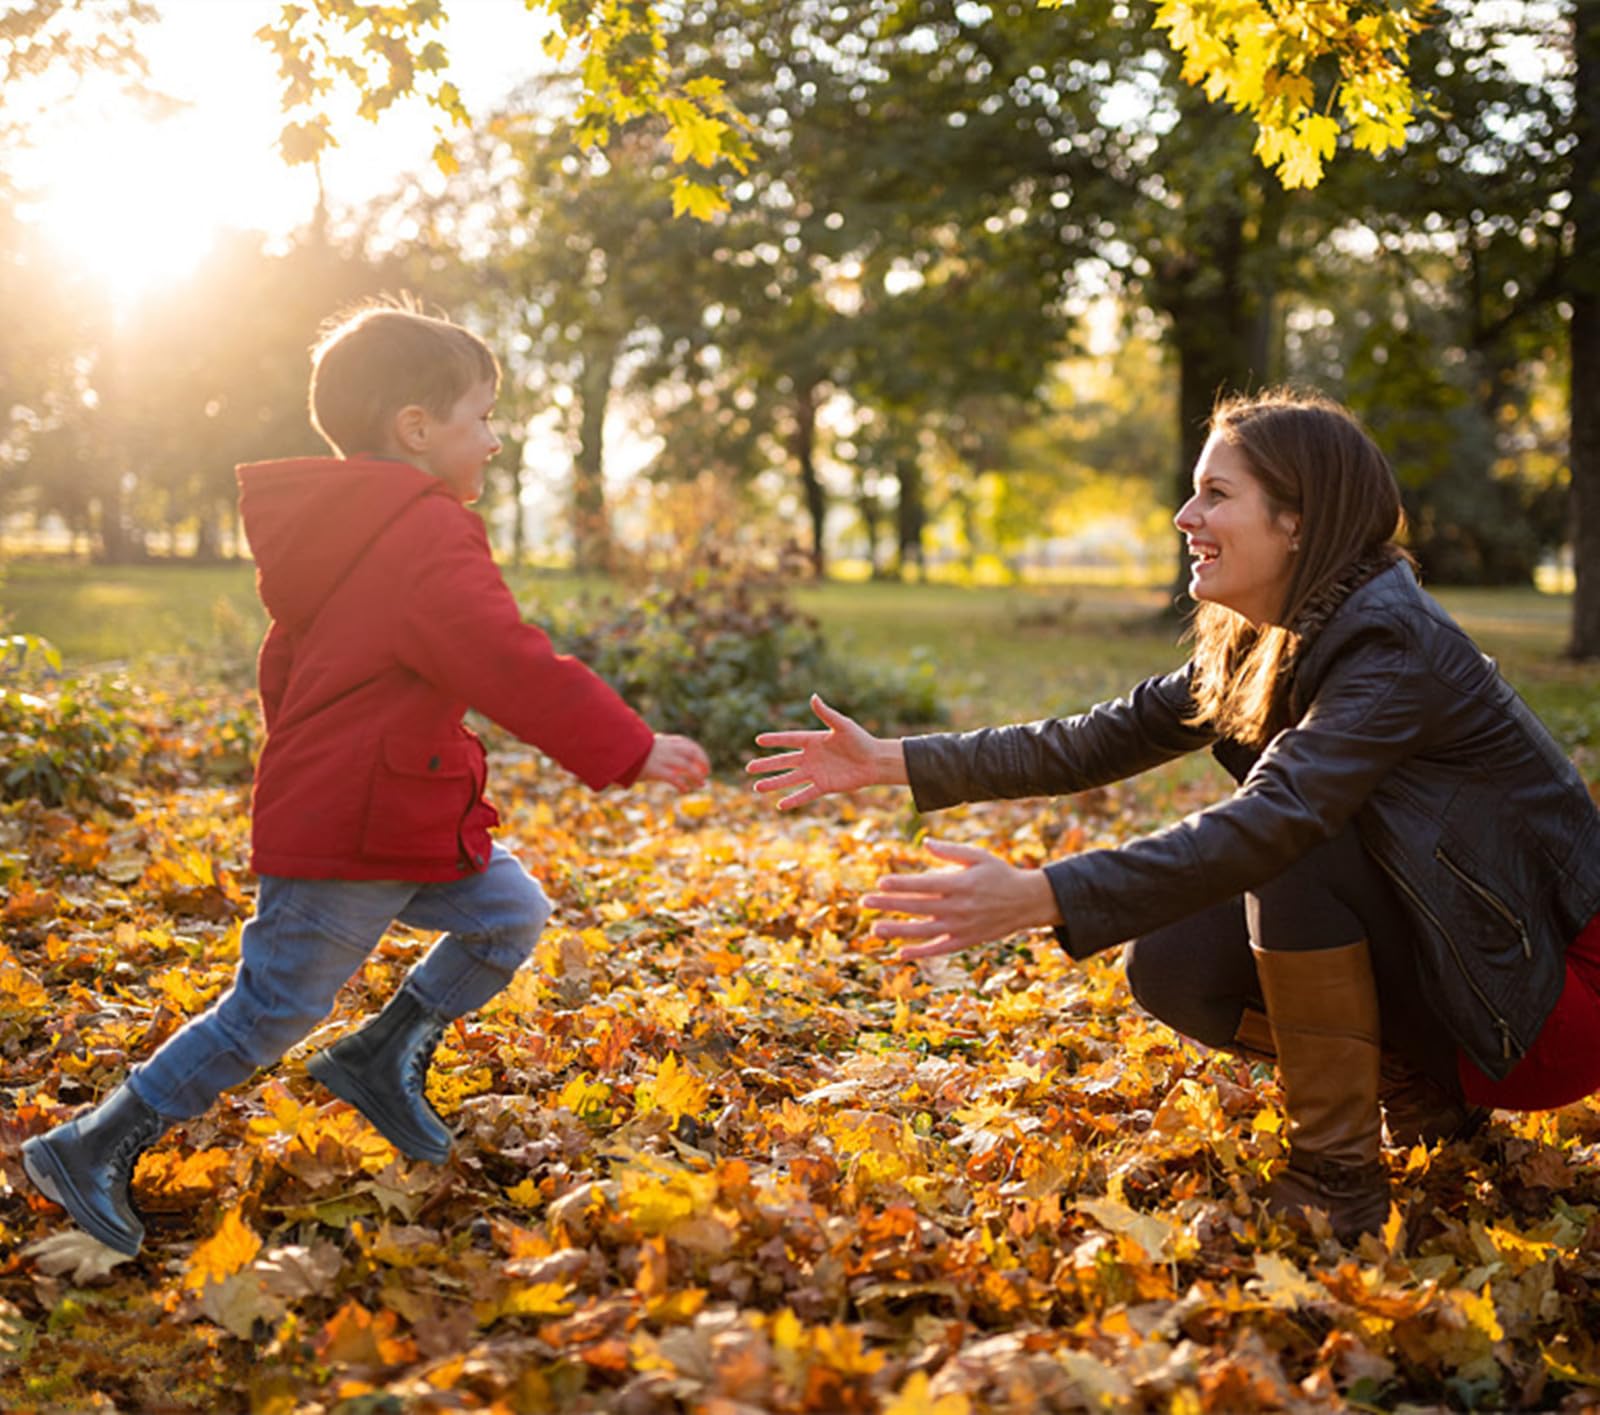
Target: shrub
<point>58,741</point>
<point>723,660</point>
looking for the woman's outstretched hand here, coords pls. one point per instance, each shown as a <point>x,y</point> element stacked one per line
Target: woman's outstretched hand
<point>845,757</point>
<point>982,900</point>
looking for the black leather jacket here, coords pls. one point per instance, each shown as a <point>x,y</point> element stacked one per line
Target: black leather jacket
<point>1400,724</point>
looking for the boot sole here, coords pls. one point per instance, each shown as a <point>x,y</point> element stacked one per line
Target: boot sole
<point>47,1175</point>
<point>353,1091</point>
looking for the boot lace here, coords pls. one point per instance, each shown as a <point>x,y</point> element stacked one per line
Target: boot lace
<point>420,1060</point>
<point>129,1147</point>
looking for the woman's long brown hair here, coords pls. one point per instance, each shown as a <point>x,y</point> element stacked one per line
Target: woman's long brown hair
<point>1313,459</point>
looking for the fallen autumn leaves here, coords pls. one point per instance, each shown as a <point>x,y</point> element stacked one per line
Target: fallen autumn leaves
<point>719,1152</point>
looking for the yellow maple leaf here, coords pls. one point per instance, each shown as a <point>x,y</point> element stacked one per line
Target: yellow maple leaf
<point>526,1194</point>
<point>537,1299</point>
<point>915,1398</point>
<point>695,135</point>
<point>448,1089</point>
<point>674,1089</point>
<point>656,1198</point>
<point>584,1096</point>
<point>233,1246</point>
<point>18,987</point>
<point>843,1349</point>
<point>285,1119</point>
<point>169,1171</point>
<point>698,199</point>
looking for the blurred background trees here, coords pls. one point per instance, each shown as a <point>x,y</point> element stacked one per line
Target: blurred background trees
<point>965,311</point>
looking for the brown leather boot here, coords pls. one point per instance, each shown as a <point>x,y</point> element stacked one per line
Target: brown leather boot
<point>1323,1006</point>
<point>1417,1110</point>
<point>1252,1038</point>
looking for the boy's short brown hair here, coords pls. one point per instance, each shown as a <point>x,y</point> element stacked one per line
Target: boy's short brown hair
<point>369,363</point>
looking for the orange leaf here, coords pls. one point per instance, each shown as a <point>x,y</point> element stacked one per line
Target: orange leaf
<point>230,1248</point>
<point>355,1337</point>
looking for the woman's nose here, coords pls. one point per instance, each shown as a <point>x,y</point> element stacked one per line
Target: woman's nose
<point>1186,518</point>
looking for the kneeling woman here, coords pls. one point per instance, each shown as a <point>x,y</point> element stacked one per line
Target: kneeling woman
<point>1400,899</point>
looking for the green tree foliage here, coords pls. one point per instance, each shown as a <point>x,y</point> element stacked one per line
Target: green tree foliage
<point>573,258</point>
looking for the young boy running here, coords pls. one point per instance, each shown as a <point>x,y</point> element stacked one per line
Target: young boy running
<point>389,620</point>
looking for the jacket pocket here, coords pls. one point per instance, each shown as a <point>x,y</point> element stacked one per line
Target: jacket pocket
<point>421,791</point>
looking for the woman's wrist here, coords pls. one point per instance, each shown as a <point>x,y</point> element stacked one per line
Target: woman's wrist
<point>1043,907</point>
<point>890,762</point>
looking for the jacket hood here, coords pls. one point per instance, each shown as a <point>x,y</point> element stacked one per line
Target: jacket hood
<point>309,519</point>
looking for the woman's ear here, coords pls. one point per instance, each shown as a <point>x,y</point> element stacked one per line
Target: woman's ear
<point>1291,524</point>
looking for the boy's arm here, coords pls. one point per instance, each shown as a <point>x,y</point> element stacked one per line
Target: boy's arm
<point>463,631</point>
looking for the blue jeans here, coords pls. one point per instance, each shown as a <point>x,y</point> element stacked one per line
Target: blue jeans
<point>309,936</point>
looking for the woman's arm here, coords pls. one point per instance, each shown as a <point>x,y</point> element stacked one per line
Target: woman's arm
<point>1369,712</point>
<point>1057,756</point>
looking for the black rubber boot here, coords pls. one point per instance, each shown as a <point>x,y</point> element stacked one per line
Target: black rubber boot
<point>382,1070</point>
<point>86,1166</point>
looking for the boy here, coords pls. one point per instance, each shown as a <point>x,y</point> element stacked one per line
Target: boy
<point>389,619</point>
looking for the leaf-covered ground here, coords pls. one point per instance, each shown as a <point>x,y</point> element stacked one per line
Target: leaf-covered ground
<point>718,1152</point>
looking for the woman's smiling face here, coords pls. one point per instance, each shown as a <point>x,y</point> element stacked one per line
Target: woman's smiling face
<point>1241,547</point>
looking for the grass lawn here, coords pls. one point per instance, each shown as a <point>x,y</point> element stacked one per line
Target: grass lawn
<point>1001,653</point>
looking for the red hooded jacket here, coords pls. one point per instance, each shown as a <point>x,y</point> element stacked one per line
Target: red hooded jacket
<point>389,620</point>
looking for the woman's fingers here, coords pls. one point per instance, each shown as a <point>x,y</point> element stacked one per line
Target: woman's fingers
<point>832,716</point>
<point>790,738</point>
<point>910,928</point>
<point>756,766</point>
<point>956,852</point>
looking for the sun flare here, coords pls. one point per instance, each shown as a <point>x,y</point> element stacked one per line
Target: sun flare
<point>126,204</point>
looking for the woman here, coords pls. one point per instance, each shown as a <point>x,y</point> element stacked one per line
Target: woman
<point>1406,880</point>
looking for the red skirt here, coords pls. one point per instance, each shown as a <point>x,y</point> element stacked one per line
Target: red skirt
<point>1563,1064</point>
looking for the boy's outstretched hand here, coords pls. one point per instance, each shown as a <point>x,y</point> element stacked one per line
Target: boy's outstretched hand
<point>678,761</point>
<point>983,900</point>
<point>846,757</point>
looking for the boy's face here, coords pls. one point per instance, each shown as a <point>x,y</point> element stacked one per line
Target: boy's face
<point>457,448</point>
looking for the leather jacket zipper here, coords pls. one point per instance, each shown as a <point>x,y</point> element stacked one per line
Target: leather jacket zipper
<point>1491,899</point>
<point>1507,1046</point>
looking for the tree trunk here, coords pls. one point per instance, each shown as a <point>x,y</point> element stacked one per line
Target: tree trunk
<point>1221,337</point>
<point>1585,336</point>
<point>591,532</point>
<point>120,543</point>
<point>805,456</point>
<point>909,518</point>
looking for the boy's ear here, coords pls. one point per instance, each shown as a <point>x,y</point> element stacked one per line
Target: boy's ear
<point>411,427</point>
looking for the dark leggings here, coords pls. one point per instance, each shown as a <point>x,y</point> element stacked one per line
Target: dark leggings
<point>1198,975</point>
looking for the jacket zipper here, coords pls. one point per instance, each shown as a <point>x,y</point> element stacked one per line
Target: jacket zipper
<point>1491,899</point>
<point>1506,1049</point>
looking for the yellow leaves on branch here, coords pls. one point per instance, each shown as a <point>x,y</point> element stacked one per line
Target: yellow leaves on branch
<point>1262,56</point>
